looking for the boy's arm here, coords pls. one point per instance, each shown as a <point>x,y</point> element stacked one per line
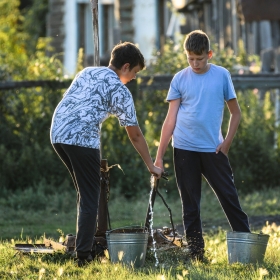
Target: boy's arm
<point>167,130</point>
<point>138,141</point>
<point>235,116</point>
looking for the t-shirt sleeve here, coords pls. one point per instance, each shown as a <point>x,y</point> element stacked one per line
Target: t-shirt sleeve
<point>229,91</point>
<point>122,106</point>
<point>173,92</point>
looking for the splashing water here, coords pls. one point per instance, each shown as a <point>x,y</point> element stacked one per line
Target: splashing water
<point>153,180</point>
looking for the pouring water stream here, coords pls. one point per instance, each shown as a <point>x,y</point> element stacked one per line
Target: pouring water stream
<point>153,182</point>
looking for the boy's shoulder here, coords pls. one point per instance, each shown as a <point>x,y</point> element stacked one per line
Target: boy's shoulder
<point>182,72</point>
<point>219,68</point>
<point>99,73</point>
<point>214,67</point>
<point>99,69</point>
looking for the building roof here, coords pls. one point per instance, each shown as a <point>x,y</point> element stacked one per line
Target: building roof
<point>256,10</point>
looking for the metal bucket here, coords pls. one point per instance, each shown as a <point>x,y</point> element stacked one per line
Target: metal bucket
<point>128,245</point>
<point>245,247</point>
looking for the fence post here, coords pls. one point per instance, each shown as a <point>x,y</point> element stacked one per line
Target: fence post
<point>102,220</point>
<point>94,6</point>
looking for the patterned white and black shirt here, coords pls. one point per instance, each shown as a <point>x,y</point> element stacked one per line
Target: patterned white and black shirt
<point>94,95</point>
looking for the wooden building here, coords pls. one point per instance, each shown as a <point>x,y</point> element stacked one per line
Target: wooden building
<point>69,23</point>
<point>255,23</point>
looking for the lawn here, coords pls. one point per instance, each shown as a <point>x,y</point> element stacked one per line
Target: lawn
<point>22,219</point>
<point>23,225</point>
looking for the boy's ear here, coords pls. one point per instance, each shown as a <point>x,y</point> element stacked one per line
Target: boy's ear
<point>210,54</point>
<point>126,66</point>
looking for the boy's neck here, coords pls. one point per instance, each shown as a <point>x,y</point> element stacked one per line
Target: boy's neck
<point>112,67</point>
<point>116,70</point>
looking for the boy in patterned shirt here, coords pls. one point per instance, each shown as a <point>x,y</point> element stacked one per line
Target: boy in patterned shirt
<point>94,95</point>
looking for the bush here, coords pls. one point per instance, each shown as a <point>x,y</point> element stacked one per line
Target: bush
<point>26,155</point>
<point>252,155</point>
<point>40,197</point>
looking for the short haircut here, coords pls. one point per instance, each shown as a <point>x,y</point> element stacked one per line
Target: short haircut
<point>197,42</point>
<point>124,53</point>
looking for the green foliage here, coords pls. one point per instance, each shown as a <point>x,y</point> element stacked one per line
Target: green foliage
<point>40,196</point>
<point>26,155</point>
<point>18,60</point>
<point>171,60</point>
<point>35,22</point>
<point>80,60</point>
<point>253,156</point>
<point>12,40</point>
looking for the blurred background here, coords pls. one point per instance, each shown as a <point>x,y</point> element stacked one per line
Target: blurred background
<point>44,43</point>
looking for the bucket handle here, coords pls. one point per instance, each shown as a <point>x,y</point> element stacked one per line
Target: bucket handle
<point>132,227</point>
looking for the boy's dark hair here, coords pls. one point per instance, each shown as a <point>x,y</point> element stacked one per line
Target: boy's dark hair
<point>127,53</point>
<point>197,42</point>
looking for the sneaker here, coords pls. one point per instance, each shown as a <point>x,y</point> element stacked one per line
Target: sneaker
<point>84,261</point>
<point>197,256</point>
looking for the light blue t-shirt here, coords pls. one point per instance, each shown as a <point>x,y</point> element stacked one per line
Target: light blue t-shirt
<point>200,115</point>
<point>94,95</point>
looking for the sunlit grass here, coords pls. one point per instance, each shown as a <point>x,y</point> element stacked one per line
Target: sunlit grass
<point>172,264</point>
<point>29,226</point>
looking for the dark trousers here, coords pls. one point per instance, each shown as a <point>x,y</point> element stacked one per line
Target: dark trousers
<point>189,166</point>
<point>84,167</point>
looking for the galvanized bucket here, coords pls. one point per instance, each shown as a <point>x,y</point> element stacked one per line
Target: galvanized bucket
<point>128,245</point>
<point>245,247</point>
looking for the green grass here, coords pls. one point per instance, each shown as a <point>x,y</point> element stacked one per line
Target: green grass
<point>23,220</point>
<point>20,219</point>
<point>171,264</point>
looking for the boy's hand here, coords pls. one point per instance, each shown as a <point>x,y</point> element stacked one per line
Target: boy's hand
<point>159,163</point>
<point>223,147</point>
<point>156,171</point>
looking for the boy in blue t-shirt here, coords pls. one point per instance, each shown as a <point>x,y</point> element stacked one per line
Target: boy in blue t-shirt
<point>196,96</point>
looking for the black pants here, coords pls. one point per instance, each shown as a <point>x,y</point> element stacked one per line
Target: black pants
<point>84,167</point>
<point>189,166</point>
